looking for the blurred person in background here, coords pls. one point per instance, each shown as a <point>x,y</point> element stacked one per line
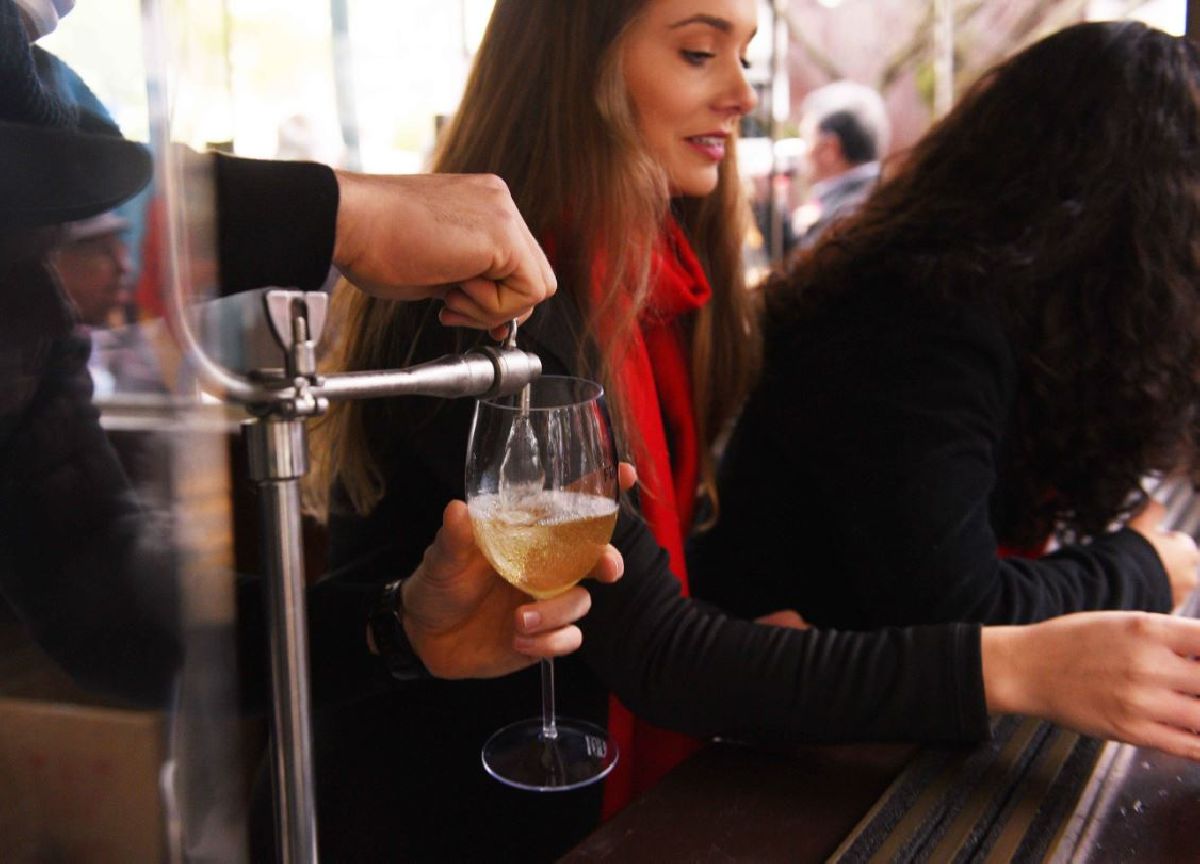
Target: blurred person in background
<point>92,263</point>
<point>42,17</point>
<point>846,129</point>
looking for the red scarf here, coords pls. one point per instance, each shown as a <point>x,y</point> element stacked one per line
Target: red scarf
<point>655,378</point>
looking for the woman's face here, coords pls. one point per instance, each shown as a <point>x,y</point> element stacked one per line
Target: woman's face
<point>684,63</point>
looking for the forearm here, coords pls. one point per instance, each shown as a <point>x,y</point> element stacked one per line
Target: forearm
<point>1119,570</point>
<point>961,577</point>
<point>1003,661</point>
<point>276,223</point>
<point>690,667</point>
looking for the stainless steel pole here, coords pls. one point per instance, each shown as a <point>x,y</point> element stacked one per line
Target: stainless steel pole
<point>278,451</point>
<point>278,459</point>
<point>777,199</point>
<point>943,57</point>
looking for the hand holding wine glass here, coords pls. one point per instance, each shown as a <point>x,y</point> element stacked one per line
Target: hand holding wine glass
<point>463,622</point>
<point>541,483</point>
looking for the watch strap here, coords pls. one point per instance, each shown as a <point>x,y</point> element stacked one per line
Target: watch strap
<point>391,641</point>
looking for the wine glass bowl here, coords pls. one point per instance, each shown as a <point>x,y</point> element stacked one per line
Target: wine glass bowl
<point>547,543</point>
<point>542,494</point>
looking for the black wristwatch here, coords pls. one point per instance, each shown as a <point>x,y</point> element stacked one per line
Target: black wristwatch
<point>391,642</point>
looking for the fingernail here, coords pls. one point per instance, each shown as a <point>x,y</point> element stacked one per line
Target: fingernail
<point>530,619</point>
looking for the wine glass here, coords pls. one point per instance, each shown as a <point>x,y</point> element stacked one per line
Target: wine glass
<point>541,483</point>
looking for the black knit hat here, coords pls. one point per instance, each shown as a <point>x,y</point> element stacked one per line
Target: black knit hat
<point>56,164</point>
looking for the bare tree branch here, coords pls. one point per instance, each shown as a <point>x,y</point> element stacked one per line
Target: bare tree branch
<point>972,52</point>
<point>819,58</point>
<point>910,52</point>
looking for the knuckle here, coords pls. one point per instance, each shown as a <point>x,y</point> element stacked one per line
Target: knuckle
<point>1143,668</point>
<point>1129,706</point>
<point>1140,626</point>
<point>584,604</point>
<point>569,639</point>
<point>495,186</point>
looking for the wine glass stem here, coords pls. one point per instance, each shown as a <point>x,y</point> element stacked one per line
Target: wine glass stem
<point>549,728</point>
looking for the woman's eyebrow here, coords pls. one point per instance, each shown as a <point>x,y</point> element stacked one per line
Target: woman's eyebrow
<point>722,24</point>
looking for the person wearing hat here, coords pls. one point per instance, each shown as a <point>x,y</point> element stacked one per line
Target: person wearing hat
<point>100,603</point>
<point>93,266</point>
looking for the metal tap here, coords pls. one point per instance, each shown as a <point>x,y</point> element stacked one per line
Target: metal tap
<point>280,400</point>
<point>297,319</point>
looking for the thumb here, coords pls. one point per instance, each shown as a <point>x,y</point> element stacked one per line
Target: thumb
<point>783,618</point>
<point>454,547</point>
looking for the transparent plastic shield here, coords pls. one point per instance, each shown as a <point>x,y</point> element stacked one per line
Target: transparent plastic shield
<point>123,733</point>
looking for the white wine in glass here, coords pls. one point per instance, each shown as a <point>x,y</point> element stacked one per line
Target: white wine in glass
<point>541,483</point>
<point>546,542</point>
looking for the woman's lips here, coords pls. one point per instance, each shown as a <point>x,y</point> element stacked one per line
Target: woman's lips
<point>710,146</point>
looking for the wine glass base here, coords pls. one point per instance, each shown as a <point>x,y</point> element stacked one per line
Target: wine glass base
<point>520,756</point>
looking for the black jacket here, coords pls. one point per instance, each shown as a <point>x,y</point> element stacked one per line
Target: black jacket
<point>78,564</point>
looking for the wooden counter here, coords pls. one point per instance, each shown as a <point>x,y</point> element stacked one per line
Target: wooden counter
<point>1034,793</point>
<point>731,803</point>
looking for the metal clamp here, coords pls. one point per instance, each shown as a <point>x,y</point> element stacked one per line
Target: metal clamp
<point>513,369</point>
<point>297,319</point>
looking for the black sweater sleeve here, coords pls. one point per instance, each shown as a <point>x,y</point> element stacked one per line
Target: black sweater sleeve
<point>685,665</point>
<point>873,448</point>
<point>275,223</point>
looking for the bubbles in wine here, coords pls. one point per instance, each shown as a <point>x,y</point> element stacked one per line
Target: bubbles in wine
<point>543,542</point>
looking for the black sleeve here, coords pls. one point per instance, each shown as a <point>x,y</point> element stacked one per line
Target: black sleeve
<point>275,223</point>
<point>872,457</point>
<point>683,664</point>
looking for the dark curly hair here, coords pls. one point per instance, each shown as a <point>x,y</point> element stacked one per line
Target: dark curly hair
<point>1063,192</point>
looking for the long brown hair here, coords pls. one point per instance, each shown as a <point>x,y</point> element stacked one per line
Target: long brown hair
<point>546,109</point>
<point>1064,192</point>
